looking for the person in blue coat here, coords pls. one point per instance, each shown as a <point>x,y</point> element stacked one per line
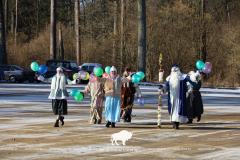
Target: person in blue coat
<point>176,86</point>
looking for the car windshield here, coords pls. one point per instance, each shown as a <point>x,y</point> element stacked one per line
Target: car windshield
<point>17,68</point>
<point>73,65</point>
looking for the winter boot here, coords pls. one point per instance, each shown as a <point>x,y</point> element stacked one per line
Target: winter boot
<point>108,123</point>
<point>177,125</point>
<point>113,125</point>
<point>56,124</point>
<point>128,118</point>
<point>174,124</point>
<point>95,121</point>
<point>61,119</point>
<point>190,120</point>
<point>99,121</point>
<point>199,118</point>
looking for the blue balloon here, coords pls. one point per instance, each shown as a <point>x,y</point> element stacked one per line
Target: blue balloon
<point>42,69</point>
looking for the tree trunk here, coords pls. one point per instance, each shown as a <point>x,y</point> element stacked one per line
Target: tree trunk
<point>61,49</point>
<point>6,17</point>
<point>84,17</point>
<point>141,36</point>
<point>53,30</point>
<point>38,2</point>
<point>227,11</point>
<point>12,24</point>
<point>114,32</point>
<point>16,25</point>
<point>3,53</point>
<point>77,32</point>
<point>123,17</point>
<point>203,48</point>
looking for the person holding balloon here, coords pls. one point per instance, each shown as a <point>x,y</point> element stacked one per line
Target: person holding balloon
<point>97,92</point>
<point>128,91</point>
<point>176,87</point>
<point>58,94</point>
<point>113,83</point>
<point>194,99</point>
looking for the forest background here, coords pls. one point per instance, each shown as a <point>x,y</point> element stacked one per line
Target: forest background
<point>175,28</point>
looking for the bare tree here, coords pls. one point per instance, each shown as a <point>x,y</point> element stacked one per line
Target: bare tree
<point>6,17</point>
<point>38,3</point>
<point>61,49</point>
<point>141,36</point>
<point>53,30</point>
<point>123,17</point>
<point>203,55</point>
<point>77,32</point>
<point>16,24</point>
<point>12,22</point>
<point>114,32</point>
<point>3,54</point>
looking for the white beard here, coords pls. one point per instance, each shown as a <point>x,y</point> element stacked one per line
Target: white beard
<point>174,81</point>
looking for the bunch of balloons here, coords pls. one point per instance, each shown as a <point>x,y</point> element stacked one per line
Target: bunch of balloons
<point>76,94</point>
<point>40,69</point>
<point>137,77</point>
<point>206,68</point>
<point>81,75</point>
<point>141,101</point>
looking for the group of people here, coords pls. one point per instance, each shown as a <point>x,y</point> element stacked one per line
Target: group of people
<point>184,98</point>
<point>119,92</point>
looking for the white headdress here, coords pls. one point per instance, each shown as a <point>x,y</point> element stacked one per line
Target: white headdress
<point>113,69</point>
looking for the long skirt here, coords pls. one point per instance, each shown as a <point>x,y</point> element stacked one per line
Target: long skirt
<point>112,109</point>
<point>59,106</point>
<point>194,105</point>
<point>96,113</point>
<point>127,99</point>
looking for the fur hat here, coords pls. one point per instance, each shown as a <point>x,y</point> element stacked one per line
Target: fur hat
<point>175,67</point>
<point>113,69</point>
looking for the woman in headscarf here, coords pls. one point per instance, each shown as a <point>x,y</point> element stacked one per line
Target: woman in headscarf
<point>58,94</point>
<point>113,83</point>
<point>97,92</point>
<point>128,91</point>
<point>194,99</point>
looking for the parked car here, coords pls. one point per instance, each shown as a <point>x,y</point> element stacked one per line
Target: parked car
<point>69,67</point>
<point>88,67</point>
<point>2,76</point>
<point>15,73</point>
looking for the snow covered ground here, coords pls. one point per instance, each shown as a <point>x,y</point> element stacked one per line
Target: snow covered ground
<point>27,130</point>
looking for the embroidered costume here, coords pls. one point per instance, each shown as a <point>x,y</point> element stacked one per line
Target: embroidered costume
<point>96,100</point>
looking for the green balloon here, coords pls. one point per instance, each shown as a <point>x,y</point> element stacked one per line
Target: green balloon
<point>98,71</point>
<point>200,64</point>
<point>107,69</point>
<point>141,74</point>
<point>75,76</point>
<point>34,66</point>
<point>79,97</point>
<point>74,92</point>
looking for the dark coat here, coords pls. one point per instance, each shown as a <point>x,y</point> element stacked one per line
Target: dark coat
<point>194,101</point>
